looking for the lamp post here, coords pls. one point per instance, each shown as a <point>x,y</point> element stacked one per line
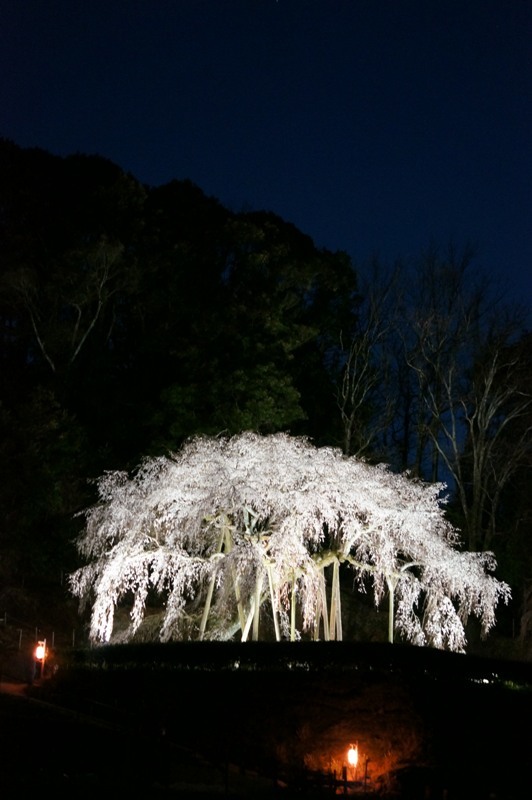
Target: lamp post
<point>40,654</point>
<point>352,759</point>
<point>366,773</point>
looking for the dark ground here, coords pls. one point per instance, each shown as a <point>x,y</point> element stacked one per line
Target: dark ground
<point>46,752</point>
<point>430,729</point>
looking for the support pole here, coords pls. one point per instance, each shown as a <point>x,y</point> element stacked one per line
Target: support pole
<point>339,631</point>
<point>249,620</point>
<point>391,592</point>
<point>256,615</point>
<point>273,600</point>
<point>210,590</point>
<point>293,610</point>
<point>322,610</point>
<point>334,600</point>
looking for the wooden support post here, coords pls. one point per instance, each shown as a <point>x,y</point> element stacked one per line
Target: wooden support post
<point>339,632</point>
<point>249,620</point>
<point>256,615</point>
<point>391,610</point>
<point>334,600</point>
<point>210,590</point>
<point>293,610</point>
<point>273,600</point>
<point>322,612</point>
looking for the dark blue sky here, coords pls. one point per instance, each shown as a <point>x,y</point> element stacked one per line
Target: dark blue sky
<point>375,126</point>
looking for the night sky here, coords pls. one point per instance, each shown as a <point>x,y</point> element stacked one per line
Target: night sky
<point>375,126</point>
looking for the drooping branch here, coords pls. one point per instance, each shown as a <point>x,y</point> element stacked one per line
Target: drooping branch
<point>211,523</point>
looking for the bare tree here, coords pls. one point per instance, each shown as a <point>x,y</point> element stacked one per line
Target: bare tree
<point>440,317</point>
<point>484,462</point>
<point>366,410</point>
<point>64,310</point>
<point>469,391</point>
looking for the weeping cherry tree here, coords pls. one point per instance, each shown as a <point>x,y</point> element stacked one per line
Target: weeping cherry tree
<point>247,531</point>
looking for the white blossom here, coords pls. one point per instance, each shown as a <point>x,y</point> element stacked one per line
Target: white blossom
<point>228,529</point>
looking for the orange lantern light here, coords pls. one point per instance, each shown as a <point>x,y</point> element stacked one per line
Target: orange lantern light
<point>352,755</point>
<point>40,651</point>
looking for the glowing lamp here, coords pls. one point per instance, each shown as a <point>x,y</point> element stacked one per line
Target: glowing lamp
<point>40,651</point>
<point>352,755</point>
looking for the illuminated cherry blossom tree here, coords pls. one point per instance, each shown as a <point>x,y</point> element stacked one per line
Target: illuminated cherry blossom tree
<point>239,533</point>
